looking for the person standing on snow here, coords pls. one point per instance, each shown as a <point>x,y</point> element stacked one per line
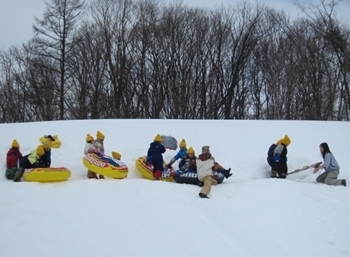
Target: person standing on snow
<point>12,158</point>
<point>154,155</point>
<point>331,167</point>
<point>90,148</point>
<point>205,163</point>
<point>277,157</point>
<point>180,154</point>
<point>99,148</point>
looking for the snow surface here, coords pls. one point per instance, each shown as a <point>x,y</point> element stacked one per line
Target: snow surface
<point>248,215</point>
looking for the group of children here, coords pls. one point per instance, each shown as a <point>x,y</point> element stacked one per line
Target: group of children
<point>16,163</point>
<point>96,146</point>
<point>277,159</point>
<point>204,165</point>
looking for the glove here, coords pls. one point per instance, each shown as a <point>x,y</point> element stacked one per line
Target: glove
<point>168,166</point>
<point>277,158</point>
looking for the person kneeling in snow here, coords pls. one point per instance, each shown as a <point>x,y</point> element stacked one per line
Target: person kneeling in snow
<point>154,155</point>
<point>29,161</point>
<point>12,158</point>
<point>331,167</point>
<point>205,163</point>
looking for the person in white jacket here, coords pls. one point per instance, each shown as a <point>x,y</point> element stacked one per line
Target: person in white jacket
<point>205,163</point>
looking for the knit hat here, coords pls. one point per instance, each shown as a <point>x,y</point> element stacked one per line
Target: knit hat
<point>205,149</point>
<point>158,138</point>
<point>46,146</point>
<point>100,136</point>
<point>15,144</point>
<point>183,144</point>
<point>89,138</point>
<point>116,155</point>
<point>286,140</point>
<point>40,150</point>
<point>190,150</point>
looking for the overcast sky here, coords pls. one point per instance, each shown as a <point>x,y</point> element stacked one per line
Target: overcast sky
<point>17,16</point>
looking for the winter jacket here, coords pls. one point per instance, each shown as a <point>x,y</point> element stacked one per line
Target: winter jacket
<point>280,159</point>
<point>45,160</point>
<point>13,155</point>
<point>89,148</point>
<point>280,153</point>
<point>180,154</point>
<point>30,160</point>
<point>204,163</point>
<point>330,163</point>
<point>99,148</point>
<point>188,163</point>
<point>155,152</point>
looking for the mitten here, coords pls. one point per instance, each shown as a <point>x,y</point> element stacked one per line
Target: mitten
<point>277,158</point>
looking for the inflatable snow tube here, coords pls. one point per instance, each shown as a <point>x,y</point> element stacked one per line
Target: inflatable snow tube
<point>146,170</point>
<point>53,141</point>
<point>46,174</point>
<point>105,165</point>
<point>191,177</point>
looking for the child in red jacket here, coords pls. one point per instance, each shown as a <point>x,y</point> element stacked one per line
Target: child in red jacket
<point>13,155</point>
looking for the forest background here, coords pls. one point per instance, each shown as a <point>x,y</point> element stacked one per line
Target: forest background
<point>103,59</point>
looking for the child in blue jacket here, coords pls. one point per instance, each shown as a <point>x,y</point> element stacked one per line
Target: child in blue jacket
<point>180,154</point>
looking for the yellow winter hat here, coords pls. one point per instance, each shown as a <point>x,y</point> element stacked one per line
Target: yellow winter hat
<point>89,138</point>
<point>158,138</point>
<point>190,150</point>
<point>286,140</point>
<point>183,143</point>
<point>100,136</point>
<point>116,155</point>
<point>40,150</point>
<point>15,144</point>
<point>46,146</point>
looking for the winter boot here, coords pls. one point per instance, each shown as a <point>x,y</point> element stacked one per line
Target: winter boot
<point>227,173</point>
<point>18,175</point>
<point>343,182</point>
<point>101,177</point>
<point>273,174</point>
<point>157,174</point>
<point>201,195</point>
<point>91,174</point>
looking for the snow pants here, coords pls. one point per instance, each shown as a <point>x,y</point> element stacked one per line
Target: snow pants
<point>208,181</point>
<point>330,178</point>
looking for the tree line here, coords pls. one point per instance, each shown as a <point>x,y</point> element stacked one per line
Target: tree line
<point>143,59</point>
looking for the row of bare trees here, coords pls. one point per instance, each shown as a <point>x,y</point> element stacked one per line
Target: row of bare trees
<point>144,59</point>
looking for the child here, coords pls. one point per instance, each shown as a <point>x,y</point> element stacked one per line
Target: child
<point>218,168</point>
<point>90,148</point>
<point>277,157</point>
<point>98,145</point>
<point>29,161</point>
<point>181,153</point>
<point>12,158</point>
<point>154,155</point>
<point>188,162</point>
<point>45,160</point>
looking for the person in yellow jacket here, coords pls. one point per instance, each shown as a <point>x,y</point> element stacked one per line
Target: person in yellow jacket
<point>28,161</point>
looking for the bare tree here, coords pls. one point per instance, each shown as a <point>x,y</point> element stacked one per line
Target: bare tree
<point>54,38</point>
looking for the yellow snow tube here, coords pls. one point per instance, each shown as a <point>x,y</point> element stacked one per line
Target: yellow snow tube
<point>46,174</point>
<point>146,170</point>
<point>53,144</point>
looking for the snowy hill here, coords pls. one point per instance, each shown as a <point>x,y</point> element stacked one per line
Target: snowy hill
<point>248,215</point>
